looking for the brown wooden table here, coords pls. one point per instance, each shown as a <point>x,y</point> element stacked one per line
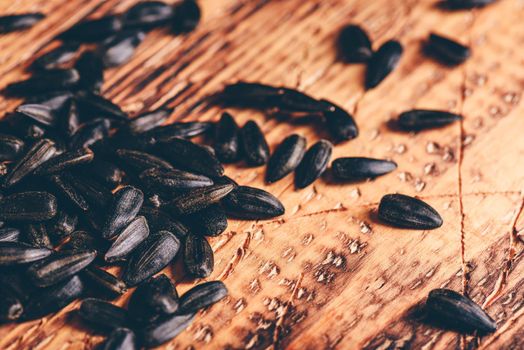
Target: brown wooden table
<point>327,275</point>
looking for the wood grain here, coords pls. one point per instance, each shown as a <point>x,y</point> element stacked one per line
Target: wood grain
<point>328,275</point>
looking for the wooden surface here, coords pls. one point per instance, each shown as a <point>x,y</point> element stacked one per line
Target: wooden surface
<point>327,275</point>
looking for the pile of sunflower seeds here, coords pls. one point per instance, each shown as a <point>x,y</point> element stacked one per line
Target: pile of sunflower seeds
<point>85,187</point>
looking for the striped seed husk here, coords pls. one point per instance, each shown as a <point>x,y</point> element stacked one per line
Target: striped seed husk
<point>251,203</point>
<point>313,164</point>
<point>254,145</point>
<point>199,199</point>
<point>126,205</point>
<point>104,282</point>
<point>198,256</point>
<point>360,168</point>
<point>202,295</point>
<point>103,314</point>
<point>120,339</point>
<point>382,63</point>
<point>127,240</point>
<point>286,158</point>
<point>403,211</point>
<point>422,119</point>
<point>30,206</point>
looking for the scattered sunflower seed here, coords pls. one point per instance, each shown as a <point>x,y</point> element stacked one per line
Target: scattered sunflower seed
<point>358,168</point>
<point>407,212</point>
<point>286,158</point>
<point>382,63</point>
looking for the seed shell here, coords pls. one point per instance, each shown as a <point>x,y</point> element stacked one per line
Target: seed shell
<point>9,234</point>
<point>407,212</point>
<point>360,168</point>
<point>447,50</point>
<point>172,181</point>
<point>148,14</point>
<point>36,235</point>
<point>56,57</point>
<point>382,63</point>
<point>93,30</point>
<point>127,240</point>
<point>28,206</point>
<point>140,161</point>
<point>286,158</point>
<point>103,314</point>
<point>251,203</point>
<point>354,45</point>
<point>422,119</point>
<point>119,49</point>
<point>202,295</point>
<point>198,256</point>
<point>226,143</point>
<point>313,164</point>
<point>120,339</point>
<point>91,69</point>
<point>126,204</point>
<point>15,253</point>
<point>40,113</point>
<point>199,199</point>
<point>210,221</point>
<point>254,146</point>
<point>11,23</point>
<point>65,161</point>
<point>105,282</point>
<point>149,120</point>
<point>186,16</point>
<point>165,329</point>
<point>10,147</point>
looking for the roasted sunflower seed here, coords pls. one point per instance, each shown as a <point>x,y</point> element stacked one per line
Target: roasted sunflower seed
<point>119,48</point>
<point>98,105</point>
<point>149,120</point>
<point>340,124</point>
<point>286,158</point>
<point>65,185</point>
<point>198,256</point>
<point>28,206</point>
<point>199,199</point>
<point>407,212</point>
<point>10,306</point>
<point>65,161</point>
<point>126,204</point>
<point>10,147</point>
<point>251,203</point>
<point>359,168</point>
<point>165,329</point>
<point>446,50</point>
<point>210,221</point>
<point>186,16</point>
<point>56,57</point>
<point>226,143</point>
<point>127,240</point>
<point>421,119</point>
<point>202,295</point>
<point>121,339</point>
<point>44,82</point>
<point>93,30</point>
<point>354,44</point>
<point>254,146</point>
<point>140,161</point>
<point>103,314</point>
<point>15,253</point>
<point>91,70</point>
<point>158,220</point>
<point>467,4</point>
<point>9,234</point>
<point>11,23</point>
<point>172,181</point>
<point>105,282</point>
<point>313,164</point>
<point>40,113</point>
<point>382,63</point>
<point>148,14</point>
<point>36,235</point>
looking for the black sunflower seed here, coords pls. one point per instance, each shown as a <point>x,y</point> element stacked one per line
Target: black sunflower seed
<point>90,133</point>
<point>192,157</point>
<point>354,44</point>
<point>421,119</point>
<point>127,202</point>
<point>11,23</point>
<point>119,49</point>
<point>150,257</point>
<point>313,164</point>
<point>291,101</point>
<point>130,238</point>
<point>91,70</point>
<point>407,212</point>
<point>103,314</point>
<point>254,146</point>
<point>148,14</point>
<point>63,224</point>
<point>140,161</point>
<point>93,30</point>
<point>54,100</point>
<point>244,94</point>
<point>185,17</point>
<point>10,306</point>
<point>44,82</point>
<point>56,57</point>
<point>41,151</point>
<point>105,282</point>
<point>251,203</point>
<point>153,299</point>
<point>202,295</point>
<point>15,253</point>
<point>100,106</point>
<point>446,50</point>
<point>172,181</point>
<point>9,234</point>
<point>198,256</point>
<point>54,298</point>
<point>37,236</point>
<point>149,120</point>
<point>120,339</point>
<point>59,267</point>
<point>10,147</point>
<point>286,158</point>
<point>98,197</point>
<point>161,221</point>
<point>226,143</point>
<point>65,161</point>
<point>28,206</point>
<point>165,329</point>
<point>80,241</point>
<point>453,310</point>
<point>466,4</point>
<point>360,168</point>
<point>40,113</point>
<point>199,199</point>
<point>65,185</point>
<point>210,221</point>
<point>382,63</point>
<point>69,120</point>
<point>173,131</point>
<point>104,171</point>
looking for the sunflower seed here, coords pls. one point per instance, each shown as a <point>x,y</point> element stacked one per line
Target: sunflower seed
<point>291,100</point>
<point>105,282</point>
<point>54,298</point>
<point>69,122</point>
<point>467,4</point>
<point>226,143</point>
<point>54,100</point>
<point>40,113</point>
<point>44,82</point>
<point>198,256</point>
<point>36,235</point>
<point>172,181</point>
<point>59,267</point>
<point>340,124</point>
<point>199,199</point>
<point>254,146</point>
<point>354,45</point>
<point>127,240</point>
<point>65,161</point>
<point>41,151</point>
<point>80,241</point>
<point>10,306</point>
<point>359,168</point>
<point>148,14</point>
<point>119,49</point>
<point>251,203</point>
<point>90,133</point>
<point>28,206</point>
<point>185,17</point>
<point>98,196</point>
<point>100,106</point>
<point>93,30</point>
<point>446,50</point>
<point>105,172</point>
<point>421,119</point>
<point>126,204</point>
<point>455,311</point>
<point>63,224</point>
<point>210,221</point>
<point>150,257</point>
<point>165,329</point>
<point>9,234</point>
<point>120,339</point>
<point>10,147</point>
<point>408,212</point>
<point>140,161</point>
<point>65,186</point>
<point>202,295</point>
<point>286,158</point>
<point>11,23</point>
<point>91,70</point>
<point>160,221</point>
<point>382,63</point>
<point>313,164</point>
<point>153,299</point>
<point>149,120</point>
<point>173,131</point>
<point>15,253</point>
<point>244,94</point>
<point>103,314</point>
<point>56,57</point>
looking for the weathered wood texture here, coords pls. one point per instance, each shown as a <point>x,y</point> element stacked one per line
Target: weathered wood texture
<point>328,275</point>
